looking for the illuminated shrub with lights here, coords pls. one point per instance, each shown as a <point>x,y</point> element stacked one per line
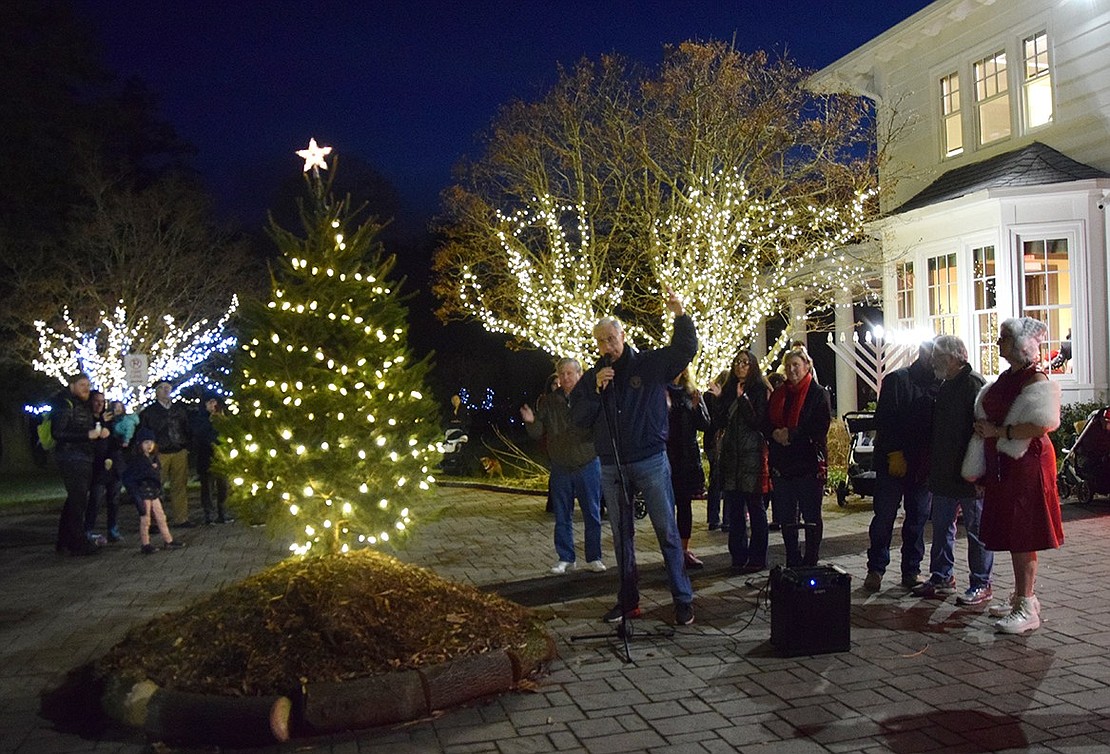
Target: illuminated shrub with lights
<point>332,435</point>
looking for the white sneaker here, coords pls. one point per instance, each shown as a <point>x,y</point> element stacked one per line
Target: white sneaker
<point>562,567</point>
<point>1007,607</point>
<point>596,566</point>
<point>1023,617</point>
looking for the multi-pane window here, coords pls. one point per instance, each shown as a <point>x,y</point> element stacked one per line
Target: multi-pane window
<point>1037,81</point>
<point>992,98</point>
<point>950,111</point>
<point>903,294</point>
<point>984,283</point>
<point>1046,271</point>
<point>943,295</point>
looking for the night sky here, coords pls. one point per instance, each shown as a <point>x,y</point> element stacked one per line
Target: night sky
<point>406,85</point>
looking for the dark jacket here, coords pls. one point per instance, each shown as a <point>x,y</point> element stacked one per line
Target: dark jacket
<point>143,476</point>
<point>636,397</point>
<point>740,460</point>
<point>807,454</point>
<point>684,421</point>
<point>205,438</point>
<point>953,426</point>
<point>170,426</point>
<point>903,418</point>
<point>568,445</point>
<point>71,420</point>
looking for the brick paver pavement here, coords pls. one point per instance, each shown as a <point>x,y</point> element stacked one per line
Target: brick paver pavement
<point>921,675</point>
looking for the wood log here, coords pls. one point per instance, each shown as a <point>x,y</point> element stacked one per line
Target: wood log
<point>365,702</point>
<point>181,717</point>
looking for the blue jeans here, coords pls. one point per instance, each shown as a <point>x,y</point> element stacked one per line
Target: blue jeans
<point>741,507</point>
<point>652,477</point>
<point>942,556</point>
<point>794,495</point>
<point>889,494</point>
<point>583,483</point>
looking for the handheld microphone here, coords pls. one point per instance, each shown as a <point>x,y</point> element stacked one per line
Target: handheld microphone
<point>606,360</point>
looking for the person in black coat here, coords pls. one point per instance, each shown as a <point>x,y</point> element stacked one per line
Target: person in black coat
<point>74,429</point>
<point>687,415</point>
<point>799,414</point>
<point>205,439</point>
<point>741,468</point>
<point>143,479</point>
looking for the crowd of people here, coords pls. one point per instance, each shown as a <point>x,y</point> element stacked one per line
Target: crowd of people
<point>106,455</point>
<point>947,444</point>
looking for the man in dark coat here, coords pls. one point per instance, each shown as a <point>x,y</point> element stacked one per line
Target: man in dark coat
<point>900,458</point>
<point>623,398</point>
<point>952,428</point>
<point>75,430</point>
<point>169,421</point>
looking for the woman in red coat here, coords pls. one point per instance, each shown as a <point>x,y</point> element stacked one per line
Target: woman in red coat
<point>1013,459</point>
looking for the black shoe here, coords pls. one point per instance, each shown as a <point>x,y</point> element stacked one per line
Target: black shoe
<point>225,520</point>
<point>714,527</point>
<point>174,545</point>
<point>683,614</point>
<point>724,527</point>
<point>614,615</point>
<point>148,549</point>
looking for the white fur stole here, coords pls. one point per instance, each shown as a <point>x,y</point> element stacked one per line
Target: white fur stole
<point>1037,403</point>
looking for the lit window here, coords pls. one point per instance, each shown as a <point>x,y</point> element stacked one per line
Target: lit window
<point>943,292</point>
<point>950,111</point>
<point>984,284</point>
<point>1038,81</point>
<point>1046,271</point>
<point>903,294</point>
<point>992,98</point>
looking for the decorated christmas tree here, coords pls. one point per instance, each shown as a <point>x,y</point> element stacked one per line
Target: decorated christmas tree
<point>332,434</point>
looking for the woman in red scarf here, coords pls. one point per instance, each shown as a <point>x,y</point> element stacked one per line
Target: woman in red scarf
<point>798,423</point>
<point>1012,457</point>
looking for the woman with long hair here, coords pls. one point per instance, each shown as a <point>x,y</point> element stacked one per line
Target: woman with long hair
<point>798,417</point>
<point>687,416</point>
<point>740,413</point>
<point>1012,457</point>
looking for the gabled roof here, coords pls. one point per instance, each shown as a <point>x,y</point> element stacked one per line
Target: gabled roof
<point>1034,165</point>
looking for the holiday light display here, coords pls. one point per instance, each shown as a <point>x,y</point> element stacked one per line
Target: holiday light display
<point>174,353</point>
<point>562,286</point>
<point>719,175</point>
<point>332,434</point>
<point>736,260</point>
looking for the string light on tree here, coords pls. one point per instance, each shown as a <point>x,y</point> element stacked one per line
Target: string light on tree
<point>178,354</point>
<point>333,436</point>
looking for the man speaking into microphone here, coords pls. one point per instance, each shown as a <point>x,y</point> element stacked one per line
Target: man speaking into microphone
<point>623,400</point>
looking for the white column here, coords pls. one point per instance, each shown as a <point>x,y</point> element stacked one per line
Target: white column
<point>844,324</point>
<point>797,325</point>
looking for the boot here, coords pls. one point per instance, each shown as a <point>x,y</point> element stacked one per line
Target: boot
<point>1025,616</point>
<point>1003,609</point>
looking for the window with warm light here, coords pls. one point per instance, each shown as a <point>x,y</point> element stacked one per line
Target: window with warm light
<point>984,283</point>
<point>943,294</point>
<point>951,116</point>
<point>903,294</point>
<point>1046,276</point>
<point>1037,83</point>
<point>992,98</point>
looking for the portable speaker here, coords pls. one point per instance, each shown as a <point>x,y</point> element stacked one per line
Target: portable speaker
<point>810,610</point>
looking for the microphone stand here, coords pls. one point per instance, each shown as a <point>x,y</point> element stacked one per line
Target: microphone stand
<point>624,516</point>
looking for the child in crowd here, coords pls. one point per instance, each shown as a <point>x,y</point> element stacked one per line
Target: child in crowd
<point>143,478</point>
<point>124,424</point>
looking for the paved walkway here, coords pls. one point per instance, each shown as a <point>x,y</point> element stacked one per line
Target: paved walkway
<point>920,676</point>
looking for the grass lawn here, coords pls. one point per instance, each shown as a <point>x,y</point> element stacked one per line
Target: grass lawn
<point>18,491</point>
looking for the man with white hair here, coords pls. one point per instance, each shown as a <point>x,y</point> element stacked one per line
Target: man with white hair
<point>953,427</point>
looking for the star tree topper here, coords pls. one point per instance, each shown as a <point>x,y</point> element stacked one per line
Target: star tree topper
<point>314,156</point>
